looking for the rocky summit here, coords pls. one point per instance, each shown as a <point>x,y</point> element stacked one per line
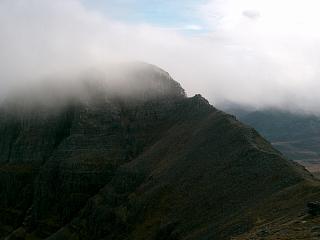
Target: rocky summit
<point>145,163</point>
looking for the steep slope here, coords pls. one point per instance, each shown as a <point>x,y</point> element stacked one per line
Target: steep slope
<point>149,165</point>
<point>297,136</point>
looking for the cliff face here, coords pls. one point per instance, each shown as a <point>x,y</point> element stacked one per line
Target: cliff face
<point>152,165</point>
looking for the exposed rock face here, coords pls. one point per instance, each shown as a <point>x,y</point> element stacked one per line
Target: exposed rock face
<point>150,165</point>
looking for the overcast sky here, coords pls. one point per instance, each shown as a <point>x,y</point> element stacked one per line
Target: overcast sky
<point>262,53</point>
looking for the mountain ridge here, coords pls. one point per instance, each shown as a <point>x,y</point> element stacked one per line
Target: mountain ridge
<point>296,135</point>
<point>163,167</point>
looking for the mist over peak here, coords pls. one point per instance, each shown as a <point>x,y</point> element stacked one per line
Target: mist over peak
<point>98,139</point>
<point>257,53</point>
<point>133,82</point>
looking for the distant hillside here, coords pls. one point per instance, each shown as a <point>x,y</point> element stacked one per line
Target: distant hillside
<point>158,167</point>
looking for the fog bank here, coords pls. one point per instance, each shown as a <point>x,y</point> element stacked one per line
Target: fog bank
<point>261,53</point>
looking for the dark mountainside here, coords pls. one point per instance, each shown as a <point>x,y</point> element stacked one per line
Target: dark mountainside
<point>297,136</point>
<point>150,165</point>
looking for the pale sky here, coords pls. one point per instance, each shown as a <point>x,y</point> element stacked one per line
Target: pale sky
<point>178,14</point>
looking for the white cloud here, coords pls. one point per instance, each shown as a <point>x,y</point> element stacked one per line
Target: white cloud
<point>253,14</point>
<point>193,27</point>
<point>257,52</point>
<point>277,53</point>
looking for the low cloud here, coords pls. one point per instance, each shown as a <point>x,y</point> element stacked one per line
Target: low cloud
<point>269,62</point>
<point>253,14</point>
